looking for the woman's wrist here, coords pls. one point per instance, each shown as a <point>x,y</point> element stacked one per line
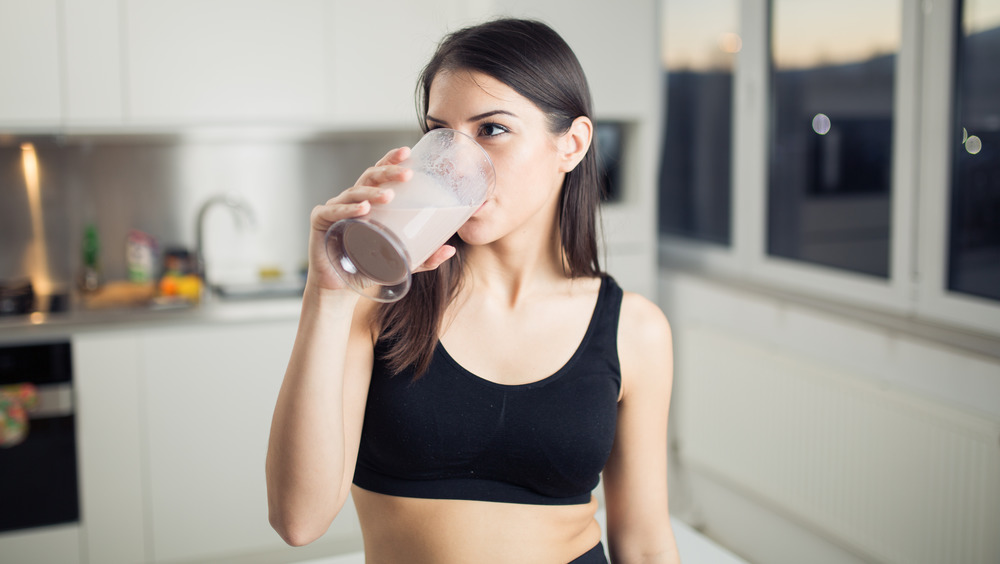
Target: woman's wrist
<point>333,297</point>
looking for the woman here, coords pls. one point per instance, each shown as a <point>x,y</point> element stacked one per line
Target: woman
<point>474,417</point>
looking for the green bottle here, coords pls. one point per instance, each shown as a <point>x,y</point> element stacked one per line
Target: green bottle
<point>90,278</point>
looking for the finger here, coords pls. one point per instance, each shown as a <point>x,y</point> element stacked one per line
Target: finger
<point>356,194</point>
<point>324,216</point>
<point>377,175</point>
<point>394,156</point>
<point>439,256</point>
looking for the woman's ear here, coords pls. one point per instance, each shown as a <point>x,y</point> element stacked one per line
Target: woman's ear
<point>573,144</point>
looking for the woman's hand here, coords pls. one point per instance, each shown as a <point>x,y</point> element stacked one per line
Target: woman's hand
<point>357,201</point>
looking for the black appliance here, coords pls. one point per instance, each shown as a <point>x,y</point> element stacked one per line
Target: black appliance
<point>609,140</point>
<point>17,297</point>
<point>38,476</point>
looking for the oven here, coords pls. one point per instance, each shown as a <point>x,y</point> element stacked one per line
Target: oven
<point>38,453</point>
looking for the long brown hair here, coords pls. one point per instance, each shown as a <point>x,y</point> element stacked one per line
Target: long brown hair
<point>536,62</point>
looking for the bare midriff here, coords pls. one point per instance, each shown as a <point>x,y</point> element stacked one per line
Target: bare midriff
<point>445,531</point>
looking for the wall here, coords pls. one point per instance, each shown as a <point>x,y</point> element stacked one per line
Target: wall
<point>803,433</point>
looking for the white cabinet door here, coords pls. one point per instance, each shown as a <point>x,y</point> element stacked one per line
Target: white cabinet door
<point>94,56</point>
<point>209,395</point>
<point>30,89</point>
<point>377,49</point>
<point>42,545</point>
<point>106,376</point>
<point>196,62</point>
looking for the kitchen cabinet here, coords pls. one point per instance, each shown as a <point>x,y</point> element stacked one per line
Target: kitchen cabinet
<point>209,392</point>
<point>110,64</point>
<point>377,50</point>
<point>43,545</point>
<point>60,64</point>
<point>31,95</point>
<point>172,424</point>
<point>106,408</point>
<point>93,63</point>
<point>149,64</point>
<point>208,62</point>
<point>106,375</point>
<point>321,63</point>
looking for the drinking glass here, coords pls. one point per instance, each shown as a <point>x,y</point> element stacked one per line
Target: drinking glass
<point>377,253</point>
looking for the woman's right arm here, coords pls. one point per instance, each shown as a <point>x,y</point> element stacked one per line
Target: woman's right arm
<point>316,425</point>
<point>317,419</point>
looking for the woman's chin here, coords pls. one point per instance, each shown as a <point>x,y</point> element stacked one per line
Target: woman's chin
<point>473,233</point>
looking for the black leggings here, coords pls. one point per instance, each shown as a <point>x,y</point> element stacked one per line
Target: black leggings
<point>592,556</point>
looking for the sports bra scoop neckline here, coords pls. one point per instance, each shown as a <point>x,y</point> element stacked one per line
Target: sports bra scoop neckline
<point>566,367</point>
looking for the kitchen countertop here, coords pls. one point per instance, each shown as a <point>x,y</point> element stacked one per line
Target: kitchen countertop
<point>40,326</point>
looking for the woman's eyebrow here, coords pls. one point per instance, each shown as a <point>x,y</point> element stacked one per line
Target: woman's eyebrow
<point>476,117</point>
<point>490,114</point>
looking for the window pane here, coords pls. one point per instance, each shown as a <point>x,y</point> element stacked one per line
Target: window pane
<point>829,194</point>
<point>974,260</point>
<point>700,43</point>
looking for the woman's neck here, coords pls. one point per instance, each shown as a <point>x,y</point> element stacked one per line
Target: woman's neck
<point>515,266</point>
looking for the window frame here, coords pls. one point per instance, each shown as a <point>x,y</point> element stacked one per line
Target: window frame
<point>941,22</point>
<point>916,288</point>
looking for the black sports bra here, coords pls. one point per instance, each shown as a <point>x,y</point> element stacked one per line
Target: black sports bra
<point>453,435</point>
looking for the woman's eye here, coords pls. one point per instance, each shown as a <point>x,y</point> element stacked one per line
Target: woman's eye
<point>492,129</point>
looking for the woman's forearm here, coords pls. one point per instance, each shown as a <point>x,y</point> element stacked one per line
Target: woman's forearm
<point>306,452</point>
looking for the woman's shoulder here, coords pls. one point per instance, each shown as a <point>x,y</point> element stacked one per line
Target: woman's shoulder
<point>645,345</point>
<point>641,320</point>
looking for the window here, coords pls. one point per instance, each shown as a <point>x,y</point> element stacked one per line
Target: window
<point>700,43</point>
<point>848,151</point>
<point>829,193</point>
<point>974,230</point>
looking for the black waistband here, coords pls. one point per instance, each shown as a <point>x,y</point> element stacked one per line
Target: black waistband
<point>593,556</point>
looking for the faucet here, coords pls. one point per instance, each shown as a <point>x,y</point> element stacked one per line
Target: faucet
<point>242,212</point>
